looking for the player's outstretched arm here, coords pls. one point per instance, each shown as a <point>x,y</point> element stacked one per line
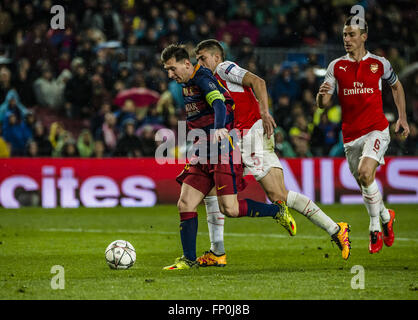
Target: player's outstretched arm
<point>399,98</point>
<point>260,90</point>
<point>323,98</point>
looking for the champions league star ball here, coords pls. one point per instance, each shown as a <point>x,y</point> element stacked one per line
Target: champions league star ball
<point>120,254</point>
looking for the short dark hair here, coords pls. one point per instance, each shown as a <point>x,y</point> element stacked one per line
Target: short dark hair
<point>211,44</point>
<point>177,51</point>
<point>357,21</point>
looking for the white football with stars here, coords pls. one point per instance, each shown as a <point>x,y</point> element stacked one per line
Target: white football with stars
<point>120,254</point>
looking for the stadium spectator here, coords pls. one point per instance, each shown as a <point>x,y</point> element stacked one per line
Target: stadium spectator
<point>85,144</point>
<point>57,136</point>
<point>281,112</point>
<point>128,111</point>
<point>147,139</point>
<point>99,150</point>
<point>4,146</point>
<point>302,148</point>
<point>16,132</point>
<point>23,82</point>
<point>100,95</point>
<point>285,84</point>
<point>152,117</point>
<point>109,132</point>
<point>77,94</point>
<point>98,119</point>
<point>69,149</point>
<point>128,144</point>
<point>309,81</point>
<point>49,92</point>
<point>108,21</point>
<point>12,104</point>
<point>30,120</point>
<point>31,149</point>
<point>337,149</point>
<point>308,102</point>
<point>5,82</point>
<point>282,147</point>
<point>36,46</point>
<point>40,137</point>
<point>300,136</point>
<point>324,136</point>
<point>165,105</point>
<point>397,62</point>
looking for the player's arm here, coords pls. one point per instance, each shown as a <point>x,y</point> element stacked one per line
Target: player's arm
<point>216,100</point>
<point>260,90</point>
<point>324,96</point>
<point>399,98</point>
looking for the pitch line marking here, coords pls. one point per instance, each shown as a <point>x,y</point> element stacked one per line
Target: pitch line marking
<point>80,230</point>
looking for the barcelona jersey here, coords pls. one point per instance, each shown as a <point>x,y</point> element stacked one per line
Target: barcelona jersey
<point>199,93</point>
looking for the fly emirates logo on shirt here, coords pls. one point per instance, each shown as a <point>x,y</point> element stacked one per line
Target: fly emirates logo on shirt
<point>358,88</point>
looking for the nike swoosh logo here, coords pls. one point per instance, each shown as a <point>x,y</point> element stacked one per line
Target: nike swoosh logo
<point>220,188</point>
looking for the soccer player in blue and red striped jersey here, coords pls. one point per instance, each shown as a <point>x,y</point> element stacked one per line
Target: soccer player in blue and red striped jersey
<point>209,108</point>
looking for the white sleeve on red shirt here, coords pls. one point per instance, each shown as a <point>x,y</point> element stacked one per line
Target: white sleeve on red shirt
<point>329,76</point>
<point>231,72</point>
<point>388,74</point>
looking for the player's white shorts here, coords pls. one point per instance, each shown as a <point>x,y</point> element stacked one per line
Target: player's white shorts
<point>372,145</point>
<point>257,152</point>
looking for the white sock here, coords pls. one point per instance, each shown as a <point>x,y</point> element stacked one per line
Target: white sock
<point>384,213</point>
<point>215,225</point>
<point>310,210</point>
<point>373,200</point>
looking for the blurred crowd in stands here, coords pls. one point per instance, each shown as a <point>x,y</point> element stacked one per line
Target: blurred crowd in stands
<point>97,88</point>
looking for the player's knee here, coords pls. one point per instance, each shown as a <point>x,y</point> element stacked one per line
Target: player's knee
<point>183,205</point>
<point>229,211</point>
<point>365,176</point>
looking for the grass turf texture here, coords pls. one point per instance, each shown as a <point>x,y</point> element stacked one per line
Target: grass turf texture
<point>263,261</point>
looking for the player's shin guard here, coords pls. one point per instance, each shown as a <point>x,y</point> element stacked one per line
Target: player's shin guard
<point>188,233</point>
<point>216,222</point>
<point>310,210</point>
<point>372,199</point>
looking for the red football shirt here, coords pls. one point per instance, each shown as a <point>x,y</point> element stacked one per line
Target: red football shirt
<point>359,88</point>
<point>247,110</point>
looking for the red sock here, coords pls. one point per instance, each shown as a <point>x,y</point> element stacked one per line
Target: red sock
<point>187,215</point>
<point>243,208</point>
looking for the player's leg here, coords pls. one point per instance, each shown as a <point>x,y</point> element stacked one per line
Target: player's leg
<point>195,184</point>
<point>273,184</point>
<point>258,156</point>
<point>376,208</point>
<point>187,207</point>
<point>372,147</point>
<point>267,170</point>
<point>372,199</point>
<point>215,257</point>
<point>229,181</point>
<point>375,146</point>
<point>216,222</point>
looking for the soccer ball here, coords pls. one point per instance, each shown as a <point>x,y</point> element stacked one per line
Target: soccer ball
<point>120,254</point>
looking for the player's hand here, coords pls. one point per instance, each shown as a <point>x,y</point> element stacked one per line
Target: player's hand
<point>220,134</point>
<point>324,88</point>
<point>402,123</point>
<point>268,124</point>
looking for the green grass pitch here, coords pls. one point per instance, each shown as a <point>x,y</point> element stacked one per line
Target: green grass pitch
<point>264,263</point>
